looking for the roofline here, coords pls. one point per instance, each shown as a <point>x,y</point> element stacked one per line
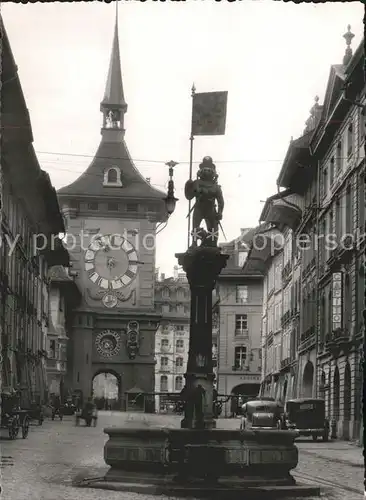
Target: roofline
<point>106,197</point>
<point>278,196</point>
<point>241,276</point>
<point>291,150</point>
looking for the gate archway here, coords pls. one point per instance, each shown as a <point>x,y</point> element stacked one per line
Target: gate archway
<point>106,390</point>
<point>307,380</point>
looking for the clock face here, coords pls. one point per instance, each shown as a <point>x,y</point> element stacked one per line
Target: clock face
<point>111,262</point>
<point>108,343</point>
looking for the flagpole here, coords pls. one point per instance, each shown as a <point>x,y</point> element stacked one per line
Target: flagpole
<point>191,139</point>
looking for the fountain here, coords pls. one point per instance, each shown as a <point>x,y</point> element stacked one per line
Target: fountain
<point>198,459</point>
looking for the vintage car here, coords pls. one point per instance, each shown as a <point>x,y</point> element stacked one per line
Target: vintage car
<point>307,418</point>
<point>261,414</point>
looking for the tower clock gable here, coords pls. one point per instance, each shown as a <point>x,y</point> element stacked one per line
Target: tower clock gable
<point>111,212</point>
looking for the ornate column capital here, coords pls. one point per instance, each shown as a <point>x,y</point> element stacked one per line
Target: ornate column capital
<point>202,265</point>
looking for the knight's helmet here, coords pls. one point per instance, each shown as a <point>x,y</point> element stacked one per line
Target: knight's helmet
<point>207,165</point>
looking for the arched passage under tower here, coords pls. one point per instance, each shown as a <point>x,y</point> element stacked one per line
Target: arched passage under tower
<point>106,390</point>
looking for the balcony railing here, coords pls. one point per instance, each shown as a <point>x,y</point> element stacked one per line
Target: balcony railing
<point>285,362</point>
<point>238,368</point>
<point>337,336</point>
<point>241,332</point>
<point>286,271</point>
<point>57,365</point>
<point>307,334</point>
<point>285,317</point>
<point>165,368</point>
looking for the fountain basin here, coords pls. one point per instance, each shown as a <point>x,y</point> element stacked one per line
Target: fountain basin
<point>192,462</point>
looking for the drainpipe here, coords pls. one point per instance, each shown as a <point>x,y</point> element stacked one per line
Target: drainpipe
<point>317,294</point>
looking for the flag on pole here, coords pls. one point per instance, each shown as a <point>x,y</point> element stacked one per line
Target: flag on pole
<point>209,113</point>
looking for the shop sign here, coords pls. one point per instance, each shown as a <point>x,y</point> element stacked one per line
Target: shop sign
<point>337,286</point>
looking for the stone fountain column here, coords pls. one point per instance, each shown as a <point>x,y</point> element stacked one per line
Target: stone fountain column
<point>202,266</point>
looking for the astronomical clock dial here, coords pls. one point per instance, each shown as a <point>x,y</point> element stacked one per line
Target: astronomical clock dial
<point>108,343</point>
<point>111,262</point>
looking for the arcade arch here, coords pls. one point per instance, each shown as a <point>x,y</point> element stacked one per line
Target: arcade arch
<point>106,389</point>
<point>307,380</point>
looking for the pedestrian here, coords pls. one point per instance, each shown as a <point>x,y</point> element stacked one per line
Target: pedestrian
<point>234,406</point>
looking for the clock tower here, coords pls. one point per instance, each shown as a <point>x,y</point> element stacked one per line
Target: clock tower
<point>111,212</point>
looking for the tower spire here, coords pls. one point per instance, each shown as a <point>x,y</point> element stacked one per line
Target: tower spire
<point>113,105</point>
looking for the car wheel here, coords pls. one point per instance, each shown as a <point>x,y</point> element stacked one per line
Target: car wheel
<point>325,437</point>
<point>315,437</point>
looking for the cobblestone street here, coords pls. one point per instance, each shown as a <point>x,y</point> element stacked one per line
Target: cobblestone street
<point>43,466</point>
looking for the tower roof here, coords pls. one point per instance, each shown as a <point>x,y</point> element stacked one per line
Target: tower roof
<point>112,150</point>
<point>113,95</point>
<point>112,154</point>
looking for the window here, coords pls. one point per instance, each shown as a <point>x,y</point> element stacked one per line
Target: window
<point>331,171</point>
<point>179,362</point>
<point>178,383</point>
<point>165,343</point>
<point>93,206</point>
<point>361,202</point>
<point>324,182</point>
<point>242,257</point>
<point>112,175</point>
<point>75,204</point>
<point>165,293</point>
<point>338,220</point>
<point>132,207</point>
<point>278,276</point>
<point>339,158</point>
<point>241,294</point>
<point>349,210</point>
<point>240,357</point>
<point>164,361</point>
<point>350,140</point>
<point>179,328</point>
<point>113,207</point>
<point>52,353</point>
<point>179,344</point>
<point>241,323</point>
<point>163,383</point>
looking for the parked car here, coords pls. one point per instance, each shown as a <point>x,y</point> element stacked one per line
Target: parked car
<point>307,417</point>
<point>261,414</point>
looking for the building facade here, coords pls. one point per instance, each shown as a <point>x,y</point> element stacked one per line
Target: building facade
<point>322,211</point>
<point>111,214</point>
<point>172,301</point>
<point>64,296</point>
<point>237,314</point>
<point>30,223</point>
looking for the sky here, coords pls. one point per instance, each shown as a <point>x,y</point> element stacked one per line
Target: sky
<point>273,58</point>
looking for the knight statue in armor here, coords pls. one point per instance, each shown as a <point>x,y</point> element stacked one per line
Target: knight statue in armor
<point>208,193</point>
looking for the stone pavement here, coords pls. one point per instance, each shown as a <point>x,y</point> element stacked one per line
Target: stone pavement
<point>44,466</point>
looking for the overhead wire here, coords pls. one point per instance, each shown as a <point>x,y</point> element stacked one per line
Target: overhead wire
<point>150,160</point>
